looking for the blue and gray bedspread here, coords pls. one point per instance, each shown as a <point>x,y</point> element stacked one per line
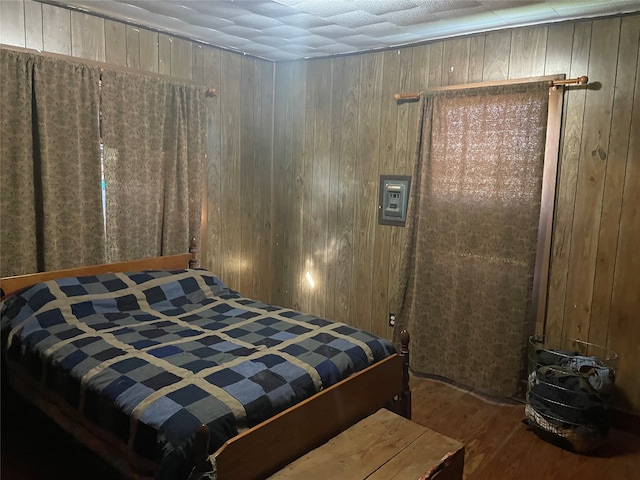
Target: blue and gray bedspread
<point>151,356</point>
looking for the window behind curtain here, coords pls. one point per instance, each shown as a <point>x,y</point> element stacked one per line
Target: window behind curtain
<point>472,239</point>
<point>153,134</point>
<point>50,203</point>
<point>54,214</point>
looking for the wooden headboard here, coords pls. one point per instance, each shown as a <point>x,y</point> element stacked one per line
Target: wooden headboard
<point>170,262</point>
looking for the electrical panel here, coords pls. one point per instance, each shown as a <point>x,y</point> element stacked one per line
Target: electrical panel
<point>393,199</point>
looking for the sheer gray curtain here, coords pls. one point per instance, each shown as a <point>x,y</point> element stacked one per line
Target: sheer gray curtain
<point>469,257</point>
<point>50,201</point>
<point>153,133</point>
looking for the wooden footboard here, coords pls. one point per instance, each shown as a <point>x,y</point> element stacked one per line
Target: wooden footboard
<point>278,441</point>
<point>271,445</point>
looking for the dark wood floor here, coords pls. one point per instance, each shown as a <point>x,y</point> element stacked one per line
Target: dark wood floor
<point>498,445</point>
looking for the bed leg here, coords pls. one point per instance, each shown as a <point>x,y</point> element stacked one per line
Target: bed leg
<point>201,449</point>
<point>402,402</point>
<point>405,397</point>
<point>193,250</point>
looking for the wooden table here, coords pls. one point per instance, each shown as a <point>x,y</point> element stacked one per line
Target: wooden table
<point>383,446</point>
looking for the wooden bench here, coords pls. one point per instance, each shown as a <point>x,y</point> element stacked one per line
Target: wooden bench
<point>383,446</point>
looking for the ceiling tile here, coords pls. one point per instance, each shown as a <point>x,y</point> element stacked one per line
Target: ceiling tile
<point>288,29</point>
<point>354,19</point>
<point>381,8</point>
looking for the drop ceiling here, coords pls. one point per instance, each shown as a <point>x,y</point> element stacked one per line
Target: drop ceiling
<point>294,29</point>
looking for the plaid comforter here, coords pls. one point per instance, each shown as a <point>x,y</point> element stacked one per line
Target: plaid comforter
<point>151,356</point>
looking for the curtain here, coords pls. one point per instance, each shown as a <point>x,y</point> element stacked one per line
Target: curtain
<point>470,248</point>
<point>50,201</point>
<point>153,133</point>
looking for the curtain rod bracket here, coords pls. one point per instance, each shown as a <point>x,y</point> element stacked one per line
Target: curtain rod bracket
<point>407,96</point>
<point>583,80</point>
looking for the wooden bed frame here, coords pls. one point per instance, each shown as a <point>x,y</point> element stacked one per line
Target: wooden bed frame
<point>255,453</point>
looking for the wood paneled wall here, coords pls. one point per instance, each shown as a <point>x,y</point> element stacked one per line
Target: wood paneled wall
<point>292,181</point>
<point>237,241</point>
<point>337,128</point>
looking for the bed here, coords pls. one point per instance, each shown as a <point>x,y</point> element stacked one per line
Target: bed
<point>166,373</point>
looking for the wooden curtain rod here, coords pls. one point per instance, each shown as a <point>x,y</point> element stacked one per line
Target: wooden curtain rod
<point>208,91</point>
<point>553,83</point>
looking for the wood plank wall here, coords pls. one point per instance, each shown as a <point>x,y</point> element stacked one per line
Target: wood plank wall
<point>292,180</point>
<point>239,122</point>
<point>337,128</point>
